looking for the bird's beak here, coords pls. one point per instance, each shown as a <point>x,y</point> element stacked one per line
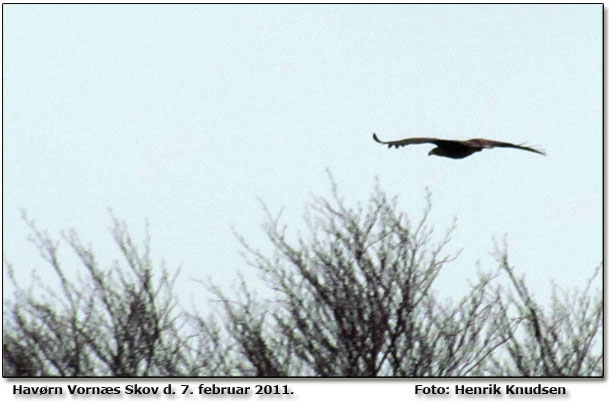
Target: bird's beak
<point>430,153</point>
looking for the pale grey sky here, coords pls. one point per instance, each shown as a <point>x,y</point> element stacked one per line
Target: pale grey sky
<point>185,115</point>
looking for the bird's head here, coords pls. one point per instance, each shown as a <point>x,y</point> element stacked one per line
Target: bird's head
<point>433,151</point>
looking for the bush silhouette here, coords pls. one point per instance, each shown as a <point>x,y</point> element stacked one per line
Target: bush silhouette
<point>353,297</point>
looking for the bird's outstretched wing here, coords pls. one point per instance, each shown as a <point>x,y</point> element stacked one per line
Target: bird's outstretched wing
<point>412,140</point>
<point>484,143</point>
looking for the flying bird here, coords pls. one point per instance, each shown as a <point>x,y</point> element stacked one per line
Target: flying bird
<point>456,149</point>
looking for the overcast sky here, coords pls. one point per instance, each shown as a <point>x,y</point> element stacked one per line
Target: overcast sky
<point>185,115</point>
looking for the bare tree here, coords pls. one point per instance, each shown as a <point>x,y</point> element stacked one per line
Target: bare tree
<point>114,322</point>
<point>562,339</point>
<point>352,296</point>
<point>355,298</point>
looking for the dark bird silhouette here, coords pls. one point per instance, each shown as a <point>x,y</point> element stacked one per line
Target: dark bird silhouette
<point>455,148</point>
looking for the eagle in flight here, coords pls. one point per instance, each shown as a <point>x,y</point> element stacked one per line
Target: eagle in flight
<point>456,149</point>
